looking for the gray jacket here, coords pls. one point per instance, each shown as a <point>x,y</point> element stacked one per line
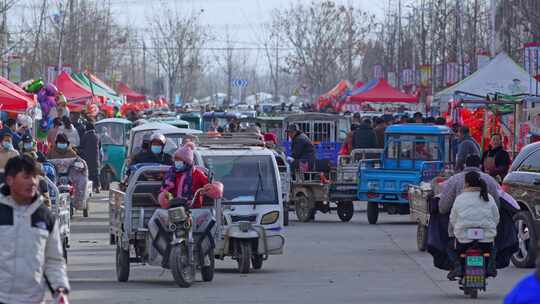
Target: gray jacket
<point>455,185</point>
<point>467,146</point>
<point>31,252</point>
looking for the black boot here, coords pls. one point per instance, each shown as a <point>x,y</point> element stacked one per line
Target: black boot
<point>491,269</point>
<point>457,272</point>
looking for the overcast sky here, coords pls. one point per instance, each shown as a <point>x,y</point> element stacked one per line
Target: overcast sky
<point>242,17</point>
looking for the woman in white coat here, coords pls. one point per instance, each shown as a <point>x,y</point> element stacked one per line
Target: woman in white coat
<point>474,208</point>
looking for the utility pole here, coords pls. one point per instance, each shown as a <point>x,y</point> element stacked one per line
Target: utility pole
<point>276,72</point>
<point>349,42</point>
<point>399,55</point>
<point>144,65</point>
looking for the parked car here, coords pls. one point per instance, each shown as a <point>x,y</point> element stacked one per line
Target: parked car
<point>523,183</point>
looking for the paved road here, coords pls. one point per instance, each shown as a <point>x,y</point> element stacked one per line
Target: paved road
<point>325,262</point>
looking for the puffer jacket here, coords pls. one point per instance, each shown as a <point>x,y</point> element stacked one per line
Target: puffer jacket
<point>31,255</point>
<point>471,211</point>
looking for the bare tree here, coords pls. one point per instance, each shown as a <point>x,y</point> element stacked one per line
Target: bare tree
<point>313,34</point>
<point>177,41</point>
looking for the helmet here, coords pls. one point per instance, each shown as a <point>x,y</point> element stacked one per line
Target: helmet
<point>158,137</point>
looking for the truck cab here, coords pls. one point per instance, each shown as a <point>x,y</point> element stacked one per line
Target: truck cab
<point>413,153</point>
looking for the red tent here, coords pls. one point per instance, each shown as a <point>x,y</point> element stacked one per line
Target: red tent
<point>383,92</point>
<point>13,101</point>
<point>71,88</point>
<point>14,87</point>
<point>77,95</point>
<point>131,96</point>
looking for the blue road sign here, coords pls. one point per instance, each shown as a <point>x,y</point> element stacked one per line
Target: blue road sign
<point>240,83</point>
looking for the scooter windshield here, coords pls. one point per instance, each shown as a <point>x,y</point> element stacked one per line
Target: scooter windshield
<point>246,179</point>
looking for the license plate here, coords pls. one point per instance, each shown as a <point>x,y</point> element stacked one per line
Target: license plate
<point>475,261</point>
<point>390,197</point>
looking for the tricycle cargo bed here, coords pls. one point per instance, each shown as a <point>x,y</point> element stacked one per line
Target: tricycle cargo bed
<point>418,197</point>
<point>385,185</point>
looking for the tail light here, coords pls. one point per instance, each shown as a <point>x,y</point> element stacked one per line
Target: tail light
<point>405,195</point>
<point>372,195</point>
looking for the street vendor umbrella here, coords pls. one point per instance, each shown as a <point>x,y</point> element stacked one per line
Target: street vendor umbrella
<point>12,101</point>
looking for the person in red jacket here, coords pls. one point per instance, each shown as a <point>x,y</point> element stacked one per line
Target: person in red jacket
<point>183,179</point>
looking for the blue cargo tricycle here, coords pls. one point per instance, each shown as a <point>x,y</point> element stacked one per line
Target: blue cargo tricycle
<point>413,153</point>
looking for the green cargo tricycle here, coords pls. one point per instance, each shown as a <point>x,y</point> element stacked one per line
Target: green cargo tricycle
<point>113,134</point>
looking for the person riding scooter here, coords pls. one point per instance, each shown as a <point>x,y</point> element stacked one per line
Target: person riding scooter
<point>182,181</point>
<point>155,154</point>
<point>474,208</point>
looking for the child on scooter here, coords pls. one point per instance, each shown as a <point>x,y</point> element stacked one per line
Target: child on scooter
<point>474,208</point>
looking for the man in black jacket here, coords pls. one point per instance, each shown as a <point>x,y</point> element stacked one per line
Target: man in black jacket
<point>302,148</point>
<point>89,150</point>
<point>364,137</point>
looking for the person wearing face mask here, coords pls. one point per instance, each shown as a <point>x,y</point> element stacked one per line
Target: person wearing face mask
<point>62,148</point>
<point>28,146</point>
<point>183,180</point>
<point>10,128</point>
<point>7,151</point>
<point>155,154</point>
<point>496,161</point>
<point>70,131</point>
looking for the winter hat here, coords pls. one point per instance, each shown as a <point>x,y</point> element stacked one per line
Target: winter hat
<point>185,153</point>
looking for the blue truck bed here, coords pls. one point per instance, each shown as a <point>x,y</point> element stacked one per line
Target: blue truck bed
<point>377,184</point>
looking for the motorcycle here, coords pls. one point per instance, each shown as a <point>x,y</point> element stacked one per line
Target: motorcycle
<point>475,263</point>
<point>185,255</point>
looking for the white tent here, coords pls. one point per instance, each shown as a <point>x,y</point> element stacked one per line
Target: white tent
<point>496,77</point>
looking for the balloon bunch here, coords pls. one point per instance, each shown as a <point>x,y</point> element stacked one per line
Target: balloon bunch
<point>47,101</point>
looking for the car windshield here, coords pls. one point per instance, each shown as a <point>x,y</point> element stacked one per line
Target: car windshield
<point>409,147</point>
<point>173,141</point>
<point>210,123</point>
<point>111,134</point>
<point>246,179</point>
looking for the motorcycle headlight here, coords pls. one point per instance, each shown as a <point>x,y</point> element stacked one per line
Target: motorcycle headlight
<point>177,214</point>
<point>270,218</point>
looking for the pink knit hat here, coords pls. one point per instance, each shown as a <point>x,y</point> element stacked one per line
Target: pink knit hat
<point>185,153</point>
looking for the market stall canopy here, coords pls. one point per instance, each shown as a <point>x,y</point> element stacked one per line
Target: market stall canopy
<point>71,88</point>
<point>131,96</point>
<point>332,97</point>
<point>14,87</point>
<point>382,92</point>
<point>496,77</point>
<point>97,89</point>
<point>13,101</point>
